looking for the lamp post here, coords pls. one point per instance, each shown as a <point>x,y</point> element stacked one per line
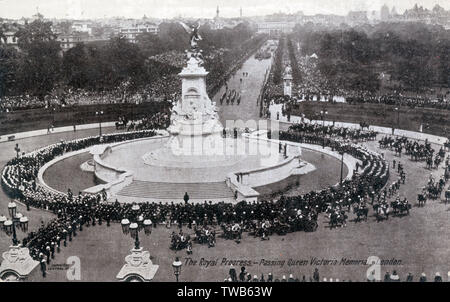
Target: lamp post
<point>342,166</point>
<point>137,224</point>
<point>17,260</point>
<point>99,114</point>
<point>322,115</point>
<point>398,117</point>
<point>138,263</point>
<point>17,220</point>
<point>17,149</point>
<point>177,267</point>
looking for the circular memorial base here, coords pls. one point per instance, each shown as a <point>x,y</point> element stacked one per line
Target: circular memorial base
<point>213,151</point>
<point>209,159</point>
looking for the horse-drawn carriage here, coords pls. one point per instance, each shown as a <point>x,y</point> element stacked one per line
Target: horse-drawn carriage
<point>338,218</point>
<point>232,231</point>
<point>121,125</point>
<point>381,211</point>
<point>401,207</point>
<point>205,236</point>
<point>179,241</point>
<point>360,212</point>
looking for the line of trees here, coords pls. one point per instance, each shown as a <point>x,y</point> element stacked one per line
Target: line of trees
<point>296,75</point>
<point>278,62</point>
<point>415,55</point>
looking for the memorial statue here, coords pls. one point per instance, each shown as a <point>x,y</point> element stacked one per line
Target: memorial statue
<point>194,50</point>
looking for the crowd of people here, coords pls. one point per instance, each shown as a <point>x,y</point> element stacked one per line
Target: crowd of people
<point>230,96</point>
<point>354,135</point>
<point>164,89</point>
<point>244,276</point>
<point>313,86</point>
<point>219,74</point>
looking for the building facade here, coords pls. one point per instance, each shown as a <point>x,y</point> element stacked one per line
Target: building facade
<point>131,33</point>
<point>275,27</point>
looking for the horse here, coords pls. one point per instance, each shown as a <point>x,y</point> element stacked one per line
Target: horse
<point>381,211</point>
<point>309,224</point>
<point>281,228</point>
<point>178,242</point>
<point>400,207</point>
<point>447,195</point>
<point>360,212</point>
<point>338,219</point>
<point>421,199</point>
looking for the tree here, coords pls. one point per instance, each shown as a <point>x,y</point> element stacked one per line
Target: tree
<point>36,31</point>
<point>8,68</point>
<point>39,66</point>
<point>150,44</point>
<point>123,61</point>
<point>173,36</point>
<point>78,67</point>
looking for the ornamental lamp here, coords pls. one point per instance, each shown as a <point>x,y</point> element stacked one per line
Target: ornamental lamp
<point>177,267</point>
<point>133,229</point>
<point>2,220</point>
<point>16,219</point>
<point>147,226</point>
<point>12,208</point>
<point>8,227</point>
<point>125,225</point>
<point>24,224</point>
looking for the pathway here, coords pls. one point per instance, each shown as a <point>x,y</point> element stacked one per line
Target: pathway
<point>250,89</point>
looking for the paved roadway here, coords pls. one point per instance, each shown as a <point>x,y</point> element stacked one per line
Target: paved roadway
<point>250,88</point>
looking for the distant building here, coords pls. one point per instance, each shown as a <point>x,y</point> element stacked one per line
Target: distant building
<point>394,12</point>
<point>10,30</point>
<point>275,27</point>
<point>322,19</point>
<point>69,41</point>
<point>384,13</point>
<point>131,33</point>
<point>82,26</point>
<point>220,23</point>
<point>9,38</point>
<point>357,17</point>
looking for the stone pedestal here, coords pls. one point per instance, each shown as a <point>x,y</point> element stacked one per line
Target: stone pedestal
<point>138,267</point>
<point>17,264</point>
<point>287,81</point>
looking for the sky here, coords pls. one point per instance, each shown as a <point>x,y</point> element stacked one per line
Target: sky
<point>85,9</point>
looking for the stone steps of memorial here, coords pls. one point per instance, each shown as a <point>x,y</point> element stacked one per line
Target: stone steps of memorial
<point>162,190</point>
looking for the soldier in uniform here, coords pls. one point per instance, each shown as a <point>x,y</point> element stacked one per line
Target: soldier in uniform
<point>423,278</point>
<point>232,273</point>
<point>437,277</point>
<point>316,276</point>
<point>43,268</point>
<point>409,278</point>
